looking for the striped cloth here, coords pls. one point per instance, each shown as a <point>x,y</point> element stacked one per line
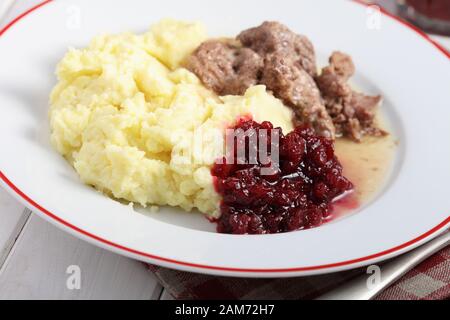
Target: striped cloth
<point>428,281</point>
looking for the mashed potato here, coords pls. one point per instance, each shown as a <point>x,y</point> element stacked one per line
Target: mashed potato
<point>129,118</point>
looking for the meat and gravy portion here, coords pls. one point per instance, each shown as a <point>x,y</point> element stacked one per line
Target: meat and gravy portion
<point>285,62</point>
<point>353,113</point>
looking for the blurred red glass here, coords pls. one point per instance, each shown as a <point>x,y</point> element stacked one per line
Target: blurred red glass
<point>431,15</point>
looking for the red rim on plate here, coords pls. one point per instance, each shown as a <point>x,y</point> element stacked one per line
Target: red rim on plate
<point>55,218</point>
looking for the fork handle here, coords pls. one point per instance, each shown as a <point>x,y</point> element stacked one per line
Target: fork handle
<point>357,289</point>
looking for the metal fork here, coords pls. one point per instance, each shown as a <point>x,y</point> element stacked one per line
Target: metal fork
<point>357,289</point>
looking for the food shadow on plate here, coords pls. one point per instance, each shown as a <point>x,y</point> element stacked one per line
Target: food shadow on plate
<point>175,216</point>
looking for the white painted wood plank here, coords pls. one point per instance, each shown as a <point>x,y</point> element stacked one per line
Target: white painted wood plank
<point>13,216</point>
<point>37,265</point>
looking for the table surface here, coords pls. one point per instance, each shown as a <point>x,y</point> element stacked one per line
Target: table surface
<point>37,259</point>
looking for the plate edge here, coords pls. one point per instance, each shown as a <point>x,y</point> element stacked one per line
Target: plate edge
<point>192,267</point>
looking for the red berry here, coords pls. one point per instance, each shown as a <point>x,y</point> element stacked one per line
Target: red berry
<point>297,192</point>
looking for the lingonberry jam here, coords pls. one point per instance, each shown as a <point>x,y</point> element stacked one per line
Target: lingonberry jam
<point>298,191</point>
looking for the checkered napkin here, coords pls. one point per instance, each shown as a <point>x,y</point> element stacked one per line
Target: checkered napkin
<point>428,281</point>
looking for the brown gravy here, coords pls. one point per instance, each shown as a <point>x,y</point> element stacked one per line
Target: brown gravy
<point>368,165</point>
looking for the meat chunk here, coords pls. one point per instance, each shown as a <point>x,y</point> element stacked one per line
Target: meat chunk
<point>273,36</point>
<point>333,79</point>
<point>285,62</point>
<point>272,55</point>
<point>225,67</point>
<point>353,113</point>
<point>297,89</point>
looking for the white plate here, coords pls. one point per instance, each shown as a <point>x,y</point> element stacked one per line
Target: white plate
<point>412,74</point>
